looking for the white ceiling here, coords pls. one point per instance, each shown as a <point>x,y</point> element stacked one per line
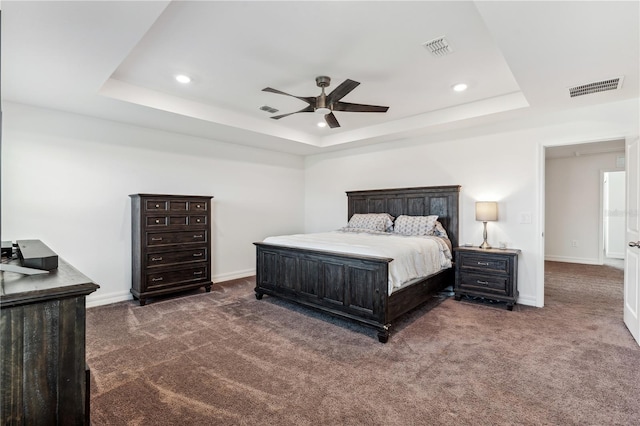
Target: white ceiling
<point>117,60</point>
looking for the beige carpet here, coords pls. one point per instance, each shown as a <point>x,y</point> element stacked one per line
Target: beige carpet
<point>225,358</point>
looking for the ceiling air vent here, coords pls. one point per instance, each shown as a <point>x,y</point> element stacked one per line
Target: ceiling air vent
<point>596,86</point>
<point>438,47</point>
<point>268,109</point>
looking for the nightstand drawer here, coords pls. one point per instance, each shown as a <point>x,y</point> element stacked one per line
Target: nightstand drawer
<point>485,263</point>
<point>484,283</point>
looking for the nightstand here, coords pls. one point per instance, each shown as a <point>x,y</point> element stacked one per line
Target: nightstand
<point>488,273</point>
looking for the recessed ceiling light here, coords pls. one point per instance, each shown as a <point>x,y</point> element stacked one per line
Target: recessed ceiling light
<point>322,124</point>
<point>460,87</point>
<point>184,79</point>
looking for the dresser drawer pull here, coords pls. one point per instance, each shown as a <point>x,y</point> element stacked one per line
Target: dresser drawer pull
<point>197,205</point>
<point>157,220</point>
<point>156,279</point>
<point>483,263</point>
<point>197,236</point>
<point>156,259</point>
<point>482,282</point>
<point>157,206</point>
<point>198,220</point>
<point>156,239</point>
<point>197,273</point>
<point>197,254</point>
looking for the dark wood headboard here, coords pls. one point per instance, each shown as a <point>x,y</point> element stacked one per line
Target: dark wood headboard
<point>424,201</point>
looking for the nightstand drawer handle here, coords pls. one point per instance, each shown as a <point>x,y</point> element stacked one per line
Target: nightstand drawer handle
<point>197,236</point>
<point>197,254</point>
<point>482,282</point>
<point>156,279</point>
<point>156,239</point>
<point>156,259</point>
<point>197,273</point>
<point>483,263</point>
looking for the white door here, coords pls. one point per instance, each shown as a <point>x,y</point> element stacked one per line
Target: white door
<point>632,254</point>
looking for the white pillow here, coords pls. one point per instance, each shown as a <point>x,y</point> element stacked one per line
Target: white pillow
<point>415,225</point>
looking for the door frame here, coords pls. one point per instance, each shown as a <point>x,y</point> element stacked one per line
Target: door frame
<point>542,167</point>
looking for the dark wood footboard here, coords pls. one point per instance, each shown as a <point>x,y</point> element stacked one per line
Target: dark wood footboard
<point>349,286</point>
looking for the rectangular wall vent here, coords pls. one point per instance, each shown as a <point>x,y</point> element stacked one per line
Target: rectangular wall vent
<point>595,87</point>
<point>268,109</point>
<point>438,47</point>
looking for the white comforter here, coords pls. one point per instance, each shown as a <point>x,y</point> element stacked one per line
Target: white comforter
<point>413,257</point>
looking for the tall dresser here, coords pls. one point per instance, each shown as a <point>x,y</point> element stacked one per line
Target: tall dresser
<point>171,244</point>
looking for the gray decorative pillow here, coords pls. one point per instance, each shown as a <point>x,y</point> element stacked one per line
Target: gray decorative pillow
<point>415,225</point>
<point>371,221</point>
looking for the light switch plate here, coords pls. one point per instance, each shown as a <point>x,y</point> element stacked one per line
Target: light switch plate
<point>525,217</point>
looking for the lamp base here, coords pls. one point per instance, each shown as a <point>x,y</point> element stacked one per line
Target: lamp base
<point>485,244</point>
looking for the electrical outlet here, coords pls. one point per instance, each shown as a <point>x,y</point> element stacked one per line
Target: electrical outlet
<point>574,243</point>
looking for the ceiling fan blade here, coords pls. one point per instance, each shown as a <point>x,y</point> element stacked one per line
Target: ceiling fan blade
<point>331,120</point>
<point>309,100</point>
<point>341,91</point>
<point>307,109</point>
<point>346,106</point>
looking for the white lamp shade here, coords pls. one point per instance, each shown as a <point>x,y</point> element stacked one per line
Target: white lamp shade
<point>486,211</point>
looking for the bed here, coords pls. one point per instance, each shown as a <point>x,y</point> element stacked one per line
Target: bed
<point>356,286</point>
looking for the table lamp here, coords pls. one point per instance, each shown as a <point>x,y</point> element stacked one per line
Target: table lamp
<point>486,211</point>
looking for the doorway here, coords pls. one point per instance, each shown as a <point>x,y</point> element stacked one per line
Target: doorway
<point>573,220</point>
<point>613,218</point>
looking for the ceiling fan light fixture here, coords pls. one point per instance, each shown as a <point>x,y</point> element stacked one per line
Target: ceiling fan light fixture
<point>322,110</point>
<point>321,124</point>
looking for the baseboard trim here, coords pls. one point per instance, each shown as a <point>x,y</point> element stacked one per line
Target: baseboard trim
<point>121,296</point>
<point>527,300</point>
<point>108,298</point>
<point>233,275</point>
<point>615,255</point>
<point>581,260</point>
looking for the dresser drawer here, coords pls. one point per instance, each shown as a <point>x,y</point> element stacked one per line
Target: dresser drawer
<point>179,256</point>
<point>178,237</point>
<point>156,205</point>
<point>197,206</point>
<point>198,220</point>
<point>156,220</point>
<point>484,283</point>
<point>485,263</point>
<point>171,278</point>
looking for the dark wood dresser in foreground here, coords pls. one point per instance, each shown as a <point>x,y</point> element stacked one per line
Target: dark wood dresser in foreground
<point>42,347</point>
<point>488,273</point>
<point>171,244</point>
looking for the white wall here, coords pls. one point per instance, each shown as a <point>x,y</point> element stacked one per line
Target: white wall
<point>573,207</point>
<point>501,165</point>
<point>66,180</point>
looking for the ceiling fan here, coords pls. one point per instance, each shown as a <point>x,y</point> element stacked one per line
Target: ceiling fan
<point>327,104</point>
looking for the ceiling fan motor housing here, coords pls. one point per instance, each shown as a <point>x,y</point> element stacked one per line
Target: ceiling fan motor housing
<point>323,81</point>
